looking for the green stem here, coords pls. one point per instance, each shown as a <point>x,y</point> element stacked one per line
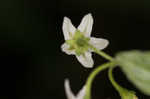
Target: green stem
<point>124,93</point>
<point>101,53</point>
<point>114,83</point>
<point>93,75</point>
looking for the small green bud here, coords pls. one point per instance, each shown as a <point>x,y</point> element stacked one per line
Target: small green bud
<point>127,94</point>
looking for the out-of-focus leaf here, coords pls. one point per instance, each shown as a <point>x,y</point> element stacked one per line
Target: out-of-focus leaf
<point>136,65</point>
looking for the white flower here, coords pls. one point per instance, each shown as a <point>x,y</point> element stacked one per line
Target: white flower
<point>69,93</point>
<point>78,41</point>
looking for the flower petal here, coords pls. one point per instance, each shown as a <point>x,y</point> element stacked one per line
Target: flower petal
<point>65,48</point>
<point>86,25</point>
<point>86,60</point>
<point>68,28</point>
<point>99,43</point>
<point>68,91</point>
<point>81,93</point>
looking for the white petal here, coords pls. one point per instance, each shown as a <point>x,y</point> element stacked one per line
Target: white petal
<point>68,28</point>
<point>81,93</point>
<point>65,48</point>
<point>68,91</point>
<point>99,43</point>
<point>86,25</point>
<point>86,60</point>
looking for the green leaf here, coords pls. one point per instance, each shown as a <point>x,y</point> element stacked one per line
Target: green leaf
<point>136,65</point>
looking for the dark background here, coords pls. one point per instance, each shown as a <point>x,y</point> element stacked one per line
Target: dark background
<point>32,65</point>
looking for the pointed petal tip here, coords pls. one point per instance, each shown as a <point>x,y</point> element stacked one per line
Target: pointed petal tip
<point>66,81</point>
<point>68,28</point>
<point>66,84</point>
<point>89,14</point>
<point>89,65</point>
<point>68,91</point>
<point>65,48</point>
<point>86,60</point>
<point>66,18</point>
<point>106,43</point>
<point>86,25</point>
<point>99,43</point>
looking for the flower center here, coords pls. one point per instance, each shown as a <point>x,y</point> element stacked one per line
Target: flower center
<point>79,43</point>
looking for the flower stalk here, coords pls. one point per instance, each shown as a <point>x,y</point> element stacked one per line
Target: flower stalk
<point>124,93</point>
<point>101,53</point>
<point>93,75</point>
